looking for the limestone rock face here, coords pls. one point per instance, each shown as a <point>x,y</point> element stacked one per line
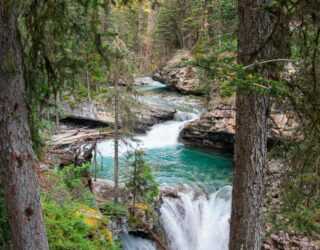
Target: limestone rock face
<point>179,76</point>
<point>216,127</point>
<point>149,115</point>
<point>98,115</point>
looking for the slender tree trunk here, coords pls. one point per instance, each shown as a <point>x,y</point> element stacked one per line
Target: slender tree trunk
<point>140,25</point>
<point>135,184</point>
<point>56,105</point>
<point>116,140</point>
<point>210,23</point>
<point>251,131</point>
<point>88,79</point>
<point>17,161</point>
<point>219,24</point>
<point>148,39</point>
<point>88,85</point>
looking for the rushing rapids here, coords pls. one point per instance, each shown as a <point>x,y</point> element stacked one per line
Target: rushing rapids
<point>195,220</point>
<point>198,223</point>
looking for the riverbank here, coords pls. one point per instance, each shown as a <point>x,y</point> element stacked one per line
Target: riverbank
<point>203,179</point>
<point>181,178</point>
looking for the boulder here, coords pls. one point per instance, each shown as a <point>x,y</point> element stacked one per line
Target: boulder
<point>179,76</point>
<point>103,190</point>
<point>216,127</point>
<point>149,115</point>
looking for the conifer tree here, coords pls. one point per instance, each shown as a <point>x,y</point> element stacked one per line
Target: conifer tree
<point>250,156</point>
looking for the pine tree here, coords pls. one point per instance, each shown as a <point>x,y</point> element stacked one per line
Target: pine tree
<point>17,160</point>
<point>254,23</point>
<point>140,179</point>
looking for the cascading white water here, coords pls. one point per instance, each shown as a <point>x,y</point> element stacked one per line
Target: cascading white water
<point>135,243</point>
<point>193,221</point>
<point>198,223</point>
<point>161,135</point>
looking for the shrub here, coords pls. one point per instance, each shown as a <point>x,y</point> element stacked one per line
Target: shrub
<point>112,209</point>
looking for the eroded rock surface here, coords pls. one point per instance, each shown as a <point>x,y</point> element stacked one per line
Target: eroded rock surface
<point>179,76</point>
<point>98,115</point>
<point>216,127</point>
<point>103,190</point>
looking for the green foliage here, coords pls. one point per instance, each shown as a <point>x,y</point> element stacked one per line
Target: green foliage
<point>112,209</point>
<point>187,24</point>
<point>124,19</point>
<point>301,200</point>
<point>67,230</point>
<point>121,72</point>
<point>64,229</point>
<point>178,24</point>
<point>228,10</point>
<point>61,40</point>
<point>228,76</point>
<point>38,140</point>
<point>140,179</point>
<point>70,178</point>
<point>300,203</point>
<point>71,174</point>
<point>293,215</point>
<point>67,184</point>
<point>302,218</point>
<point>219,66</point>
<point>62,204</point>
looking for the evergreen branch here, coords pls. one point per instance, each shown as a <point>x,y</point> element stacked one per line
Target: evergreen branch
<point>269,61</point>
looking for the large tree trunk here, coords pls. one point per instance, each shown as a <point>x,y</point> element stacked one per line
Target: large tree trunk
<point>17,161</point>
<point>251,131</point>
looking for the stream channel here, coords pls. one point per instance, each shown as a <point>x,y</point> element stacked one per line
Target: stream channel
<point>193,221</point>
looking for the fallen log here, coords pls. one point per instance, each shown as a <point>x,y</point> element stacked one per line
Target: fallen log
<point>79,137</point>
<point>76,155</point>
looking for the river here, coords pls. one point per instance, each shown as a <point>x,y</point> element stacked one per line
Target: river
<point>192,222</point>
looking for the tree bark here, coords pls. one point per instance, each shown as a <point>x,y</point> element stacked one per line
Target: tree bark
<point>254,24</point>
<point>56,108</point>
<point>88,79</point>
<point>116,140</point>
<point>140,25</point>
<point>148,39</point>
<point>17,161</point>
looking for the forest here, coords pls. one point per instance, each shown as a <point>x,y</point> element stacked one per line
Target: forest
<point>160,124</point>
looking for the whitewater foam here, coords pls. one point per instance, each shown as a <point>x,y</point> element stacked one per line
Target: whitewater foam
<point>196,223</point>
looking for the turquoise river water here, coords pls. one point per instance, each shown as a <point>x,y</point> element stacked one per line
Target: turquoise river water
<point>191,222</point>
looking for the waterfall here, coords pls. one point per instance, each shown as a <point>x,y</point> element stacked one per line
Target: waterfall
<point>161,135</point>
<point>196,223</point>
<point>193,221</point>
<point>137,243</point>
